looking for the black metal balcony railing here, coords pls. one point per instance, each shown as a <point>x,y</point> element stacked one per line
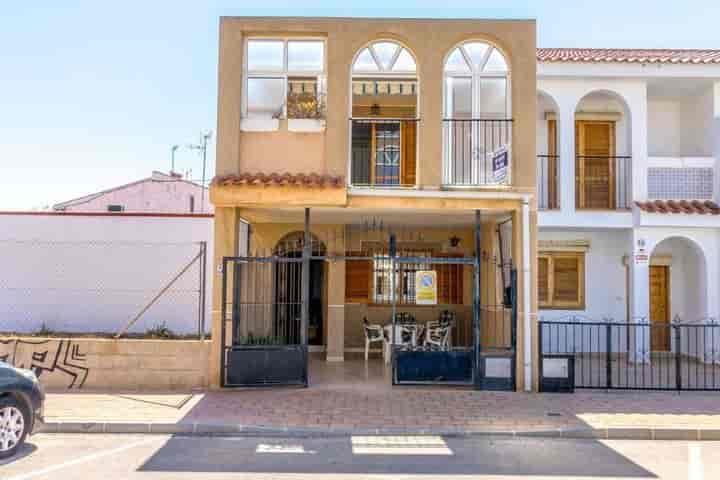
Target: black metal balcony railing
<point>468,148</point>
<point>383,152</point>
<point>603,182</point>
<point>548,182</point>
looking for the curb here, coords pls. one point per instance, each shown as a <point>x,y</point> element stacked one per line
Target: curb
<point>209,429</point>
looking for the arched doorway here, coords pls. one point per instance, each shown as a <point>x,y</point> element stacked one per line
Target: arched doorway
<point>677,288</point>
<point>288,290</point>
<point>603,158</point>
<point>548,152</point>
<point>383,109</point>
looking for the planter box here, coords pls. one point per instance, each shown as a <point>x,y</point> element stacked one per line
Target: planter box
<point>307,125</point>
<point>266,365</point>
<point>259,124</point>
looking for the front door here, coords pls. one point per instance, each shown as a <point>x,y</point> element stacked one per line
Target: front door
<point>659,308</point>
<point>595,164</point>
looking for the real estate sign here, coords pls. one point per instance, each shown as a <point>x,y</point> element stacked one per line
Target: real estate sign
<point>426,287</point>
<point>500,162</point>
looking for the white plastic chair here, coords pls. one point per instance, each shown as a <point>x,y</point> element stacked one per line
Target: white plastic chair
<point>373,334</point>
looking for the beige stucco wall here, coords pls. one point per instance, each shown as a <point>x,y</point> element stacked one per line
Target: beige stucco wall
<point>105,364</point>
<point>429,40</point>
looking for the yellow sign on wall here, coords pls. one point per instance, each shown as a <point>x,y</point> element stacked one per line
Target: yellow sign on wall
<point>426,287</point>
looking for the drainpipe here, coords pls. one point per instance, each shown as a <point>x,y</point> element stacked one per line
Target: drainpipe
<point>527,333</point>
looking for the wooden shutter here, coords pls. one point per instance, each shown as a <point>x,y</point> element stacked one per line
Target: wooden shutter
<point>358,276</point>
<point>450,281</point>
<point>561,280</point>
<point>408,164</point>
<point>552,164</point>
<point>543,274</point>
<point>595,166</point>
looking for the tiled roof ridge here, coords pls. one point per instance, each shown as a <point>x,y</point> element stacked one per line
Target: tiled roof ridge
<point>701,207</point>
<point>630,55</point>
<point>309,180</point>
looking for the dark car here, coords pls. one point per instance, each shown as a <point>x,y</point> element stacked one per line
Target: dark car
<point>21,404</point>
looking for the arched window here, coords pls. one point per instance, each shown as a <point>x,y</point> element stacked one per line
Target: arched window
<point>476,82</point>
<point>477,128</point>
<point>384,111</point>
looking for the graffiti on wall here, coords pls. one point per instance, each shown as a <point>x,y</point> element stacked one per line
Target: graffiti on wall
<point>44,357</point>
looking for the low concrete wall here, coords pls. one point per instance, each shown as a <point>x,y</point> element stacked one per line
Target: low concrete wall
<point>106,364</point>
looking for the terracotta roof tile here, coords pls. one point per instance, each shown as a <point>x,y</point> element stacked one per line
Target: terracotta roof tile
<point>680,206</point>
<point>311,180</point>
<point>628,55</point>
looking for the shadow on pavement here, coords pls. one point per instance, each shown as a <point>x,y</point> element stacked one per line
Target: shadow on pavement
<point>26,449</point>
<point>393,455</point>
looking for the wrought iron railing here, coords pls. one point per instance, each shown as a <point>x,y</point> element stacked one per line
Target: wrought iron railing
<point>383,152</point>
<point>603,182</point>
<point>548,182</point>
<point>469,148</point>
<point>635,355</point>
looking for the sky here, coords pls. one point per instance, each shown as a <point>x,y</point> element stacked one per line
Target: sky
<point>93,94</point>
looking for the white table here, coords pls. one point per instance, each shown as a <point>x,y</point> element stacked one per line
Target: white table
<point>398,337</point>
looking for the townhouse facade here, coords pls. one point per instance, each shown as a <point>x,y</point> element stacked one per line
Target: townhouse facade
<point>628,142</point>
<point>358,159</point>
<point>493,214</point>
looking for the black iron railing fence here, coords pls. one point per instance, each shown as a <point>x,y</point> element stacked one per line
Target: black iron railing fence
<point>636,355</point>
<point>603,182</point>
<point>548,182</point>
<point>469,145</point>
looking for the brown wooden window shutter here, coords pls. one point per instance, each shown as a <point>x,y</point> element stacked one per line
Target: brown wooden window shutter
<point>408,161</point>
<point>561,280</point>
<point>358,276</point>
<point>543,281</point>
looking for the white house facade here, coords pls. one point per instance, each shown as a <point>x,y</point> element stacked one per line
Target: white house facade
<point>629,226</point>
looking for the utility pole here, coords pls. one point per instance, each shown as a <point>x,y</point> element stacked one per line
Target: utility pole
<point>173,149</point>
<point>202,148</point>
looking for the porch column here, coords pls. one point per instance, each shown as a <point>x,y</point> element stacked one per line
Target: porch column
<point>226,245</point>
<point>335,311</point>
<point>639,259</point>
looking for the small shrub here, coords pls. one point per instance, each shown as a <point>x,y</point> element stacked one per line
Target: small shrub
<point>160,330</point>
<point>254,340</point>
<point>44,331</point>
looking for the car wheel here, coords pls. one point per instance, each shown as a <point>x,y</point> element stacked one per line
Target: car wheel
<point>14,424</point>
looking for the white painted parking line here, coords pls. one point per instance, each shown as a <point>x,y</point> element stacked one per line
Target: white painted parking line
<point>400,445</point>
<point>83,459</point>
<point>695,463</point>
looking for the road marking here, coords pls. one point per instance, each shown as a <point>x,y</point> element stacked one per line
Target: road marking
<point>695,465</point>
<point>84,459</point>
<point>399,445</point>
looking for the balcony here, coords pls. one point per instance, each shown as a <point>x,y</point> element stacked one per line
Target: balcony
<point>471,152</point>
<point>383,152</point>
<point>548,182</point>
<point>603,182</point>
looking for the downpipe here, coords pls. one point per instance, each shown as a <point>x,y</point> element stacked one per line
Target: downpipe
<point>527,332</point>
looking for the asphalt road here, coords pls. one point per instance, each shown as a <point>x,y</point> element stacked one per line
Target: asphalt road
<point>88,456</point>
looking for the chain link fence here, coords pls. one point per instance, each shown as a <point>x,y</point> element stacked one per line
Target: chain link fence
<point>105,288</point>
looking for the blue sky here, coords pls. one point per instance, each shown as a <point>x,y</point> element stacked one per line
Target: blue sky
<point>93,94</point>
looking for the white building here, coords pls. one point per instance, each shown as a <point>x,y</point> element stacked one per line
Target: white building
<point>159,193</point>
<point>628,147</point>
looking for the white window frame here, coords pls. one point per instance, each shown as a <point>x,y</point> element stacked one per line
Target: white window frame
<point>476,73</point>
<point>284,73</point>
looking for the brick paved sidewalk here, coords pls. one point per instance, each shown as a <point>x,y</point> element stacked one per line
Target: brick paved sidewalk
<point>392,410</point>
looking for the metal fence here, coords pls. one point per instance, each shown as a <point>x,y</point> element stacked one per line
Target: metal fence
<point>469,145</point>
<point>636,355</point>
<point>548,182</point>
<point>103,287</point>
<point>603,182</point>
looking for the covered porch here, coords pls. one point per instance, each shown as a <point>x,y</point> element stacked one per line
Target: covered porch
<point>362,294</point>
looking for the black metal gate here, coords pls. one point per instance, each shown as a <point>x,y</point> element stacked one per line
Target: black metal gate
<point>576,352</point>
<point>264,336</point>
